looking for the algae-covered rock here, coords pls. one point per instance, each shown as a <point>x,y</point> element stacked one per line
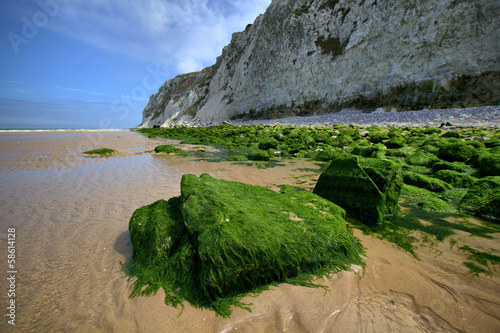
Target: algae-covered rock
<point>100,151</point>
<point>459,152</point>
<point>483,198</point>
<point>487,163</point>
<point>170,149</point>
<point>422,158</point>
<point>222,239</point>
<point>424,199</point>
<point>367,191</point>
<point>456,179</point>
<point>455,166</point>
<point>429,183</point>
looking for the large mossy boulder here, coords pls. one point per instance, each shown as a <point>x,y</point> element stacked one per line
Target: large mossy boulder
<point>483,199</point>
<point>368,190</point>
<point>222,239</point>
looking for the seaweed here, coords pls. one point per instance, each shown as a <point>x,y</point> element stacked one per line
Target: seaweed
<point>480,261</point>
<point>459,152</point>
<point>170,149</point>
<point>221,240</point>
<point>454,166</point>
<point>348,185</point>
<point>456,179</point>
<point>429,183</point>
<point>487,163</point>
<point>100,151</point>
<point>483,199</point>
<point>422,158</point>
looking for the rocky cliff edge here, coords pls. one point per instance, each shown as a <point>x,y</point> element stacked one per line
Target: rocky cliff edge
<point>319,56</point>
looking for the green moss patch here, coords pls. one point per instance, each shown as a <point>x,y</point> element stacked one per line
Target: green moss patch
<point>100,151</point>
<point>425,200</point>
<point>170,149</point>
<point>220,240</point>
<point>483,199</point>
<point>456,179</point>
<point>429,183</point>
<point>348,183</point>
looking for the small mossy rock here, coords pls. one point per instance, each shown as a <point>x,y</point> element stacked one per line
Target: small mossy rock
<point>169,149</point>
<point>429,183</point>
<point>367,150</point>
<point>487,163</point>
<point>348,185</point>
<point>459,152</point>
<point>483,199</point>
<point>455,166</point>
<point>451,134</point>
<point>424,199</point>
<point>268,144</point>
<point>422,158</point>
<point>100,151</point>
<point>222,239</point>
<point>238,158</point>
<point>395,142</point>
<point>258,156</point>
<point>378,137</point>
<point>456,179</point>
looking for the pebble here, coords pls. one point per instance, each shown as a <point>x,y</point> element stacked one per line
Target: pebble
<point>488,116</point>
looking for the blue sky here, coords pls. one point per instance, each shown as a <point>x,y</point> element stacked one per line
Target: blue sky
<point>94,63</point>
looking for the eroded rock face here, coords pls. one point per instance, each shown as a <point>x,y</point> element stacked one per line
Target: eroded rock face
<point>302,57</point>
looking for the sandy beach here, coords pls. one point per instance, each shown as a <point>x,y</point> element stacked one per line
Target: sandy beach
<point>71,215</point>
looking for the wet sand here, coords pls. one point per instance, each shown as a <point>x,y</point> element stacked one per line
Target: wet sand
<point>71,216</point>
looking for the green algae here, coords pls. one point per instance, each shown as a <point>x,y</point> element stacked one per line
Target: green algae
<point>170,149</point>
<point>429,183</point>
<point>455,166</point>
<point>425,199</point>
<point>422,158</point>
<point>480,262</point>
<point>100,151</point>
<point>483,199</point>
<point>459,152</point>
<point>347,183</point>
<point>221,240</point>
<point>455,179</point>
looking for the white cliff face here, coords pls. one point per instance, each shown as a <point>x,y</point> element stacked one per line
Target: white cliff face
<point>306,56</point>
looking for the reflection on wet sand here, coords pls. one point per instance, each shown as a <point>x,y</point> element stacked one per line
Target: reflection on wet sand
<point>71,213</point>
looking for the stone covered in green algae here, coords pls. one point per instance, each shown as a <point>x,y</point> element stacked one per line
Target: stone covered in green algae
<point>170,149</point>
<point>222,239</point>
<point>483,198</point>
<point>429,183</point>
<point>455,179</point>
<point>100,151</point>
<point>367,190</point>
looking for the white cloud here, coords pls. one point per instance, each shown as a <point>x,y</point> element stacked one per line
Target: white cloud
<point>187,34</point>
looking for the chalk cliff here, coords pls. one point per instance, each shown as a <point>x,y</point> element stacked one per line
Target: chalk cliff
<point>314,56</point>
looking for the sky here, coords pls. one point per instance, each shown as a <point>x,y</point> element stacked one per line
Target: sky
<point>94,63</point>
